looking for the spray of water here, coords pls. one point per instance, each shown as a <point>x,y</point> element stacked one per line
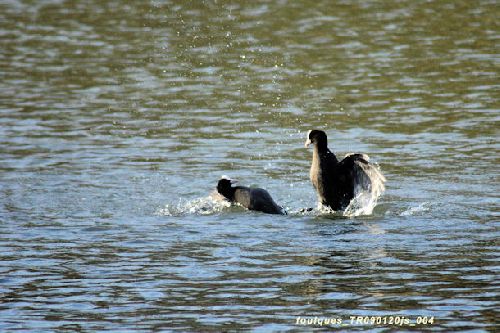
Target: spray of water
<point>211,204</point>
<point>421,208</point>
<point>370,186</point>
<point>366,197</point>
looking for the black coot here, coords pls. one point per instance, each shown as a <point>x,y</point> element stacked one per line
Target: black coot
<point>252,198</point>
<point>337,183</point>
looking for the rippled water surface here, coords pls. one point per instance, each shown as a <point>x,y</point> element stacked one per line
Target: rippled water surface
<point>118,118</point>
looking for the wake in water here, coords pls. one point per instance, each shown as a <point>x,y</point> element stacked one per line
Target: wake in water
<point>421,208</point>
<point>211,204</point>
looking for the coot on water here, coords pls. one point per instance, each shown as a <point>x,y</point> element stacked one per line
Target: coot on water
<point>251,198</point>
<point>338,182</point>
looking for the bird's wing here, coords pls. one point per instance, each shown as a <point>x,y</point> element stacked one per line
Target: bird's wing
<point>351,171</point>
<point>261,200</point>
<point>365,176</point>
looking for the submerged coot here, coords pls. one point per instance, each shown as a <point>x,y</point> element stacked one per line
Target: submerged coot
<point>252,198</point>
<point>337,183</point>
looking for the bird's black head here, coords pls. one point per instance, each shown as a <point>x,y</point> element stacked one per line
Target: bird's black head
<point>224,187</point>
<point>316,137</point>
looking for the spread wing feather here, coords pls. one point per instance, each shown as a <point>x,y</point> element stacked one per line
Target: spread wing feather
<point>364,176</point>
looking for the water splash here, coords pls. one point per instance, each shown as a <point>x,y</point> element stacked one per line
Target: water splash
<point>365,198</point>
<point>211,204</point>
<point>423,207</point>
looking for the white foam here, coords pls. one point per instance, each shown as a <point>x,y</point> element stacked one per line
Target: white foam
<point>211,204</point>
<point>423,207</point>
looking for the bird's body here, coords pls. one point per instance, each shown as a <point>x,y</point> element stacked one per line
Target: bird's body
<point>337,182</point>
<point>256,199</point>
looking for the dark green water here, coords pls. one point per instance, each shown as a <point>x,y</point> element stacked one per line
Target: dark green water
<point>118,118</point>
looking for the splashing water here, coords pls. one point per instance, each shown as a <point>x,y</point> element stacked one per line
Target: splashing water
<point>423,207</point>
<point>365,200</point>
<point>211,204</point>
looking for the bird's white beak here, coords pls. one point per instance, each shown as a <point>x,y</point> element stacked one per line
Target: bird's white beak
<point>308,141</point>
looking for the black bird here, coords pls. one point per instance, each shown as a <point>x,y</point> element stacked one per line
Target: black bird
<point>251,198</point>
<point>338,182</point>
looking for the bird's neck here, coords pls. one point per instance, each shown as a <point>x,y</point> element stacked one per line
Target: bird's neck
<point>322,151</point>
